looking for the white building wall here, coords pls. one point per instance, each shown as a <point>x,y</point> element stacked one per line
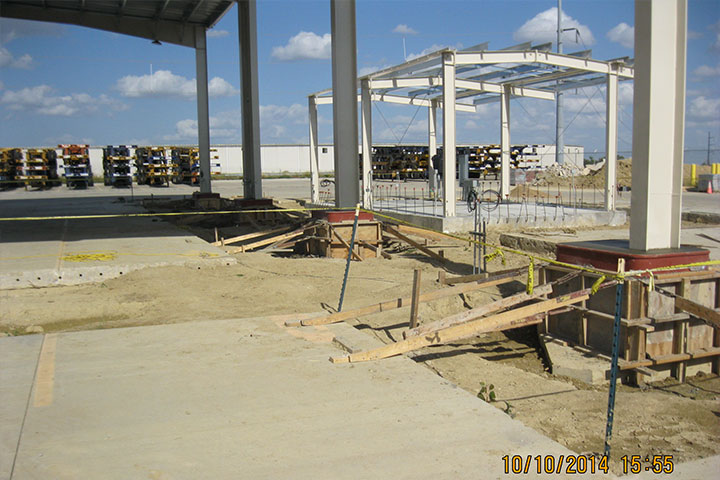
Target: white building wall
<point>278,159</point>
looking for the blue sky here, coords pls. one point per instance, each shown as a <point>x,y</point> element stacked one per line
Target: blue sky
<point>61,83</point>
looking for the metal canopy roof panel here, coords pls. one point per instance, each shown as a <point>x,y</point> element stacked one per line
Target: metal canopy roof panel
<point>171,21</point>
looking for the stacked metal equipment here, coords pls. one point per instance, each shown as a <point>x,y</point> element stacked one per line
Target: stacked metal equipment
<point>117,165</point>
<point>151,166</point>
<point>41,168</point>
<point>76,162</point>
<point>10,168</point>
<point>185,165</point>
<point>394,162</point>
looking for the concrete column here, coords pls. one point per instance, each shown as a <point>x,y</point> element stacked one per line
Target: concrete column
<point>314,163</point>
<point>252,168</point>
<point>449,151</point>
<point>611,142</point>
<point>505,141</point>
<point>203,112</point>
<point>345,121</point>
<point>432,143</point>
<point>658,123</point>
<point>366,112</point>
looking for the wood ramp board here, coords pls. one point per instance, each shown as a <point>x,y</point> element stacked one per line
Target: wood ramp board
<point>405,301</point>
<point>475,313</point>
<point>415,244</point>
<point>502,321</point>
<point>271,240</point>
<point>709,315</point>
<point>250,236</point>
<point>479,276</point>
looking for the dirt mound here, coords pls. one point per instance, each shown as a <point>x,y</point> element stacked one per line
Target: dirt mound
<point>588,177</point>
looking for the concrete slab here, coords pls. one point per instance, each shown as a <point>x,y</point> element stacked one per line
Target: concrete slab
<point>544,242</point>
<point>73,251</point>
<point>252,399</point>
<point>570,362</point>
<point>18,359</point>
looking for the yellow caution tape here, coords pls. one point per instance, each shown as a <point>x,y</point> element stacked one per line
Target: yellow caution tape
<point>596,286</point>
<point>530,277</point>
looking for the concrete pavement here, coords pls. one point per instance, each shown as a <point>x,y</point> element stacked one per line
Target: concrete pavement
<point>235,399</point>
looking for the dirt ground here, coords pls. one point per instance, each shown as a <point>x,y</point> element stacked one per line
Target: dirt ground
<point>669,419</point>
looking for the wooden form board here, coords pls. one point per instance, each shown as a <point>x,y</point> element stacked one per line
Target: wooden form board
<point>249,236</point>
<point>505,320</point>
<point>403,302</point>
<point>415,244</point>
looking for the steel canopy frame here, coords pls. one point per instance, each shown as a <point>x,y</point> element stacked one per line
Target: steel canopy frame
<point>179,22</point>
<point>480,76</point>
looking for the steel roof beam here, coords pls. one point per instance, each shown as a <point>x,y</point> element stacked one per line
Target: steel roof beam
<point>546,58</point>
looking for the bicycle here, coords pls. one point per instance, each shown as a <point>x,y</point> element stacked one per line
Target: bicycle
<point>489,200</point>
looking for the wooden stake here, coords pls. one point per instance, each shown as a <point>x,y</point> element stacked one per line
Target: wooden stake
<point>404,301</point>
<point>415,299</point>
<point>503,320</point>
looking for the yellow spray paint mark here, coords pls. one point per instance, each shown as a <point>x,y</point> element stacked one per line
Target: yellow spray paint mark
<point>90,257</point>
<point>45,377</point>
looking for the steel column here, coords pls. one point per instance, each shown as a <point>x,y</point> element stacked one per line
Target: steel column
<point>658,123</point>
<point>505,141</point>
<point>252,168</point>
<point>611,142</point>
<point>366,112</point>
<point>345,118</point>
<point>432,143</point>
<point>203,112</point>
<point>314,164</point>
<point>449,150</point>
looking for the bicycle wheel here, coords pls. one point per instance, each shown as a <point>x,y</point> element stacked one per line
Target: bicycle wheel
<point>489,200</point>
<point>472,201</point>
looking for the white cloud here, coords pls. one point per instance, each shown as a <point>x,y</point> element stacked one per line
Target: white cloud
<point>623,34</point>
<point>543,28</point>
<point>274,123</point>
<point>362,71</point>
<point>217,33</point>
<point>40,99</point>
<point>432,48</point>
<point>404,30</point>
<point>7,59</point>
<point>164,83</point>
<point>715,28</point>
<point>703,108</point>
<point>705,71</point>
<point>304,45</point>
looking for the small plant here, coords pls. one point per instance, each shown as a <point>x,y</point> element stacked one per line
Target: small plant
<point>509,409</point>
<point>487,392</point>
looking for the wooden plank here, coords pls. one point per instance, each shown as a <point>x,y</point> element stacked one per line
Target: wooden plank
<point>415,244</point>
<point>423,233</point>
<point>378,250</point>
<point>504,320</point>
<point>402,302</point>
<point>672,358</point>
<point>710,315</point>
<point>476,313</point>
<point>445,280</point>
<point>250,236</point>
<point>268,241</point>
<point>415,298</point>
<point>345,244</point>
<point>680,331</point>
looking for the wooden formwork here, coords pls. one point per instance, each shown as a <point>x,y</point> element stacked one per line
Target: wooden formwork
<point>657,338</point>
<point>331,239</point>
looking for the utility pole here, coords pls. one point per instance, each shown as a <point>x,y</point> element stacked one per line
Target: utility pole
<point>559,140</point>
<point>708,151</point>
